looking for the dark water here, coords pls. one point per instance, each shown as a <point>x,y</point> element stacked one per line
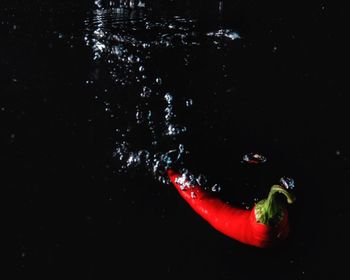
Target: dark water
<point>72,87</point>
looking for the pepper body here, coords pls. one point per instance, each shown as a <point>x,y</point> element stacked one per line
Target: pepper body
<point>239,224</point>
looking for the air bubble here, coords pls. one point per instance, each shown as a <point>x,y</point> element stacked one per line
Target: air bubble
<point>216,188</point>
<point>189,102</point>
<point>193,195</point>
<point>159,81</point>
<point>254,158</point>
<point>146,92</point>
<point>288,183</point>
<point>225,33</point>
<point>168,97</point>
<point>201,180</point>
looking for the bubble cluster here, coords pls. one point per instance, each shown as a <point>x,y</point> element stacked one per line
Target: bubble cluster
<point>125,40</point>
<point>225,33</point>
<point>156,163</point>
<point>116,35</point>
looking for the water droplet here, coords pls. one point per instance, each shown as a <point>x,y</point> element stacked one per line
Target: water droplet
<point>193,195</point>
<point>141,68</point>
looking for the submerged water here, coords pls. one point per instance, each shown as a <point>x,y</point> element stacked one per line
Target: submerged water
<point>99,99</point>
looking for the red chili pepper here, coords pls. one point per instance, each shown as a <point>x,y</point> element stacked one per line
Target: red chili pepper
<point>263,226</point>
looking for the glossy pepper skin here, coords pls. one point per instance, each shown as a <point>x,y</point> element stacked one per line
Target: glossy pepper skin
<point>236,223</point>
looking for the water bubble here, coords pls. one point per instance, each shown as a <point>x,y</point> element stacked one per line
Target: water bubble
<point>189,102</point>
<point>168,97</point>
<point>159,81</point>
<point>117,50</point>
<point>288,183</point>
<point>127,56</point>
<point>169,114</point>
<point>141,4</point>
<point>149,115</point>
<point>139,116</point>
<point>182,181</point>
<point>169,157</point>
<point>172,156</point>
<point>184,171</point>
<point>225,33</point>
<point>181,148</point>
<point>133,59</point>
<point>98,3</point>
<point>254,158</point>
<point>146,92</point>
<point>201,180</point>
<point>216,188</point>
<point>173,130</point>
<point>144,155</point>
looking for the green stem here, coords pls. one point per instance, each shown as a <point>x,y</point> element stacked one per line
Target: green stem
<point>269,211</point>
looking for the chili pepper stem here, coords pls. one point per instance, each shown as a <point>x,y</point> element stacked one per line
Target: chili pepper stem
<point>270,211</point>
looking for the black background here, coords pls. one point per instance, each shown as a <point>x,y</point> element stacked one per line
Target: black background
<point>70,215</point>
